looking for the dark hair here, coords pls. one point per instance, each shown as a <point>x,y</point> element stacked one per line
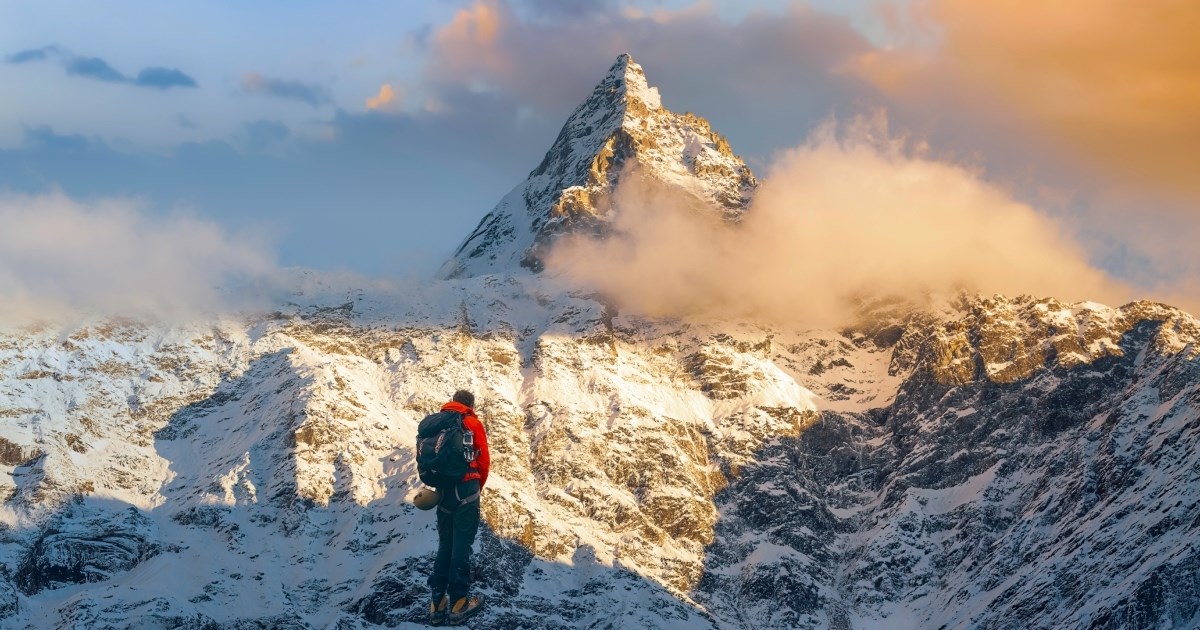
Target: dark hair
<point>465,397</point>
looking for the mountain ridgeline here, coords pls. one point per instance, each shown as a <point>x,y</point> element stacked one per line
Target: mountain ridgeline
<point>1002,462</point>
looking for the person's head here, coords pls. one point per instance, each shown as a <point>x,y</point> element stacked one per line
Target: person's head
<point>464,397</point>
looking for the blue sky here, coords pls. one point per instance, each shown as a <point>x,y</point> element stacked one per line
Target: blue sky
<point>275,135</point>
<point>255,116</point>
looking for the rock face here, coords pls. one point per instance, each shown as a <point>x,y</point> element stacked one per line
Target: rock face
<point>91,549</point>
<point>984,496</point>
<point>1001,463</point>
<point>620,131</point>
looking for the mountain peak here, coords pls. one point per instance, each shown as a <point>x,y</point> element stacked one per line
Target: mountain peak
<point>621,99</point>
<point>621,126</point>
<point>627,78</point>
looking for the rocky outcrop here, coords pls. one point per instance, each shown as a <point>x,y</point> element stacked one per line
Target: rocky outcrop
<point>1009,340</point>
<point>15,455</point>
<point>84,551</point>
<point>9,603</point>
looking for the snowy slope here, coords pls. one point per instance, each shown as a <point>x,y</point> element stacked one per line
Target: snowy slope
<point>256,471</point>
<point>223,473</point>
<point>259,471</point>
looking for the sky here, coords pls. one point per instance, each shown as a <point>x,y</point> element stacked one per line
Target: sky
<point>371,136</point>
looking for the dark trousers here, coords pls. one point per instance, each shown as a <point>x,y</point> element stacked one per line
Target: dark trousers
<point>457,522</point>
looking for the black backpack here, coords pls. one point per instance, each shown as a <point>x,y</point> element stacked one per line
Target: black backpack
<point>443,455</point>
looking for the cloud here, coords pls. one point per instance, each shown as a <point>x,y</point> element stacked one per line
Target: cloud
<point>569,8</point>
<point>312,94</point>
<point>849,215</point>
<point>1156,250</point>
<point>383,99</point>
<point>1114,84</point>
<point>59,257</point>
<point>44,137</point>
<point>163,78</point>
<point>100,70</point>
<point>35,54</point>
<point>1099,101</point>
<point>475,25</point>
<point>94,68</point>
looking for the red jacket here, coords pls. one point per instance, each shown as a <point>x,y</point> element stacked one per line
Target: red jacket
<point>479,467</point>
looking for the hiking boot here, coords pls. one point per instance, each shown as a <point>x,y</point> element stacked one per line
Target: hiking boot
<point>438,610</point>
<point>464,608</point>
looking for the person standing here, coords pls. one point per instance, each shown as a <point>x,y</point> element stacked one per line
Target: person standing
<point>458,521</point>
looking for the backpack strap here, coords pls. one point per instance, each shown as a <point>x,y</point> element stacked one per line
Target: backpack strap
<point>464,501</point>
<point>461,501</point>
<point>468,450</point>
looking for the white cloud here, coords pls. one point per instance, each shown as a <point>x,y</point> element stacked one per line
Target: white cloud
<point>59,256</point>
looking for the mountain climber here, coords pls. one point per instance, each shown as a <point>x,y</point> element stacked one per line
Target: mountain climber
<point>457,522</point>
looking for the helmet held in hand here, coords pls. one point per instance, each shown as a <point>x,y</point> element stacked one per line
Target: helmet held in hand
<point>426,498</point>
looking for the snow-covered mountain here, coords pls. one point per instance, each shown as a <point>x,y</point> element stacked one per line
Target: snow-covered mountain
<point>996,463</point>
<point>620,131</point>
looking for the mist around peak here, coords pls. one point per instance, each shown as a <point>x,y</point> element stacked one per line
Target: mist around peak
<point>852,214</point>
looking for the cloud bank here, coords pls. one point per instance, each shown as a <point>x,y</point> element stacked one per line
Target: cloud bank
<point>851,215</point>
<point>59,257</point>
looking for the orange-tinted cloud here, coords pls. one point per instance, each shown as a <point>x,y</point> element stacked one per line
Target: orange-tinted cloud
<point>1116,83</point>
<point>848,216</point>
<point>477,23</point>
<point>470,41</point>
<point>383,99</point>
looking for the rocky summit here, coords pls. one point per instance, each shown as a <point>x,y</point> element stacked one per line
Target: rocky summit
<point>996,462</point>
<point>620,131</point>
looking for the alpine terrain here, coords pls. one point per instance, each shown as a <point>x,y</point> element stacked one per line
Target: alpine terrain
<point>999,462</point>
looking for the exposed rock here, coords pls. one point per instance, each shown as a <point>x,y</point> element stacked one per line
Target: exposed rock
<point>9,602</point>
<point>89,550</point>
<point>15,455</point>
